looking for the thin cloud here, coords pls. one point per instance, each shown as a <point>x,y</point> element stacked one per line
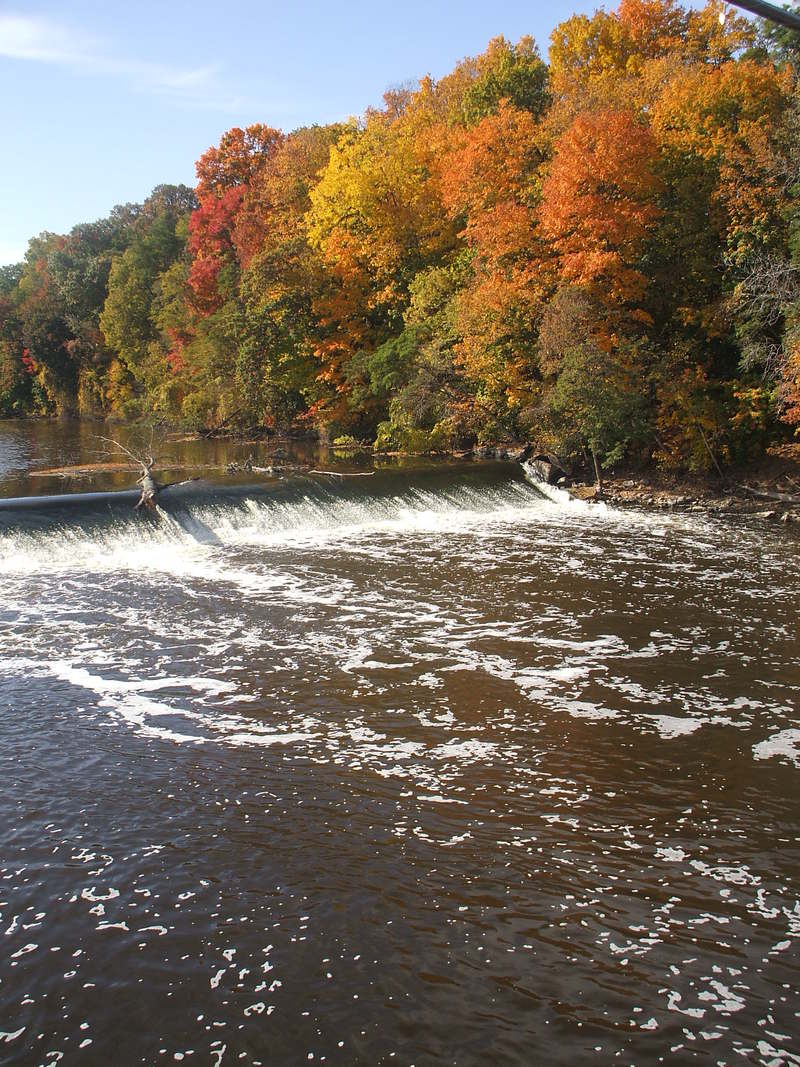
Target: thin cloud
<point>41,40</point>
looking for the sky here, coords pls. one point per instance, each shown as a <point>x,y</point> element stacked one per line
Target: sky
<point>102,100</point>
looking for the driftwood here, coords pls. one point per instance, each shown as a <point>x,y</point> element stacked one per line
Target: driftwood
<point>145,481</point>
<point>149,488</point>
<point>763,494</point>
<point>342,474</point>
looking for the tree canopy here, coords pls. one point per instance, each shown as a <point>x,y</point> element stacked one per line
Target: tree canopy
<point>597,248</point>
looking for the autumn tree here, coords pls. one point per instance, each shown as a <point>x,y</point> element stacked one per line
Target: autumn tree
<point>16,393</point>
<point>377,220</point>
<point>600,252</point>
<point>599,202</point>
<point>215,319</point>
<point>514,73</point>
<point>281,279</point>
<point>128,317</point>
<point>490,182</point>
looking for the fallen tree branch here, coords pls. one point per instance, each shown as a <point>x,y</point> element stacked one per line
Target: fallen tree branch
<point>342,474</point>
<point>763,494</point>
<point>145,481</point>
<point>212,430</point>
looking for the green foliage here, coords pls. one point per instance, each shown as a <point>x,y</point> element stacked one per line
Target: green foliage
<point>129,317</point>
<point>510,72</point>
<point>346,443</point>
<point>381,374</point>
<point>779,42</point>
<point>275,365</point>
<point>599,401</point>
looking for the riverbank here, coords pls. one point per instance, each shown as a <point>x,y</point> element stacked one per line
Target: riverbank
<point>768,488</point>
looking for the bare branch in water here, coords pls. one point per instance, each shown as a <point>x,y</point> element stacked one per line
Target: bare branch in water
<point>146,481</point>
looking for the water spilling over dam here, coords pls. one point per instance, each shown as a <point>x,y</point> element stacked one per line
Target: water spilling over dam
<point>424,767</point>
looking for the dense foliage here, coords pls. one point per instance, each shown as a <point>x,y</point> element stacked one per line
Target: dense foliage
<point>600,252</point>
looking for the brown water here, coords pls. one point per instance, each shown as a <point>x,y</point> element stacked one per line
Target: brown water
<point>421,768</point>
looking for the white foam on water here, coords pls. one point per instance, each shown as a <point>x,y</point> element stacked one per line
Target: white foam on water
<point>670,854</point>
<point>266,737</point>
<point>560,497</point>
<point>80,676</point>
<point>671,726</point>
<point>582,709</point>
<point>226,553</point>
<point>190,543</point>
<point>783,745</point>
<point>741,875</point>
<point>473,749</point>
<point>7,1036</point>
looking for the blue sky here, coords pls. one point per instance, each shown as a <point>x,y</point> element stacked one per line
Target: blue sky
<point>104,100</point>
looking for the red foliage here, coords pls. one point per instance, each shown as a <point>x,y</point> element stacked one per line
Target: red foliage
<point>28,362</point>
<point>239,157</point>
<point>210,243</point>
<point>224,174</point>
<point>211,224</point>
<point>175,357</point>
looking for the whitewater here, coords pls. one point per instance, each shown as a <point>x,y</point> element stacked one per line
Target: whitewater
<point>434,766</point>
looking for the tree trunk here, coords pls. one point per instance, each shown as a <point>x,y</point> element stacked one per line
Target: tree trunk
<point>598,476</point>
<point>149,489</point>
<point>784,498</point>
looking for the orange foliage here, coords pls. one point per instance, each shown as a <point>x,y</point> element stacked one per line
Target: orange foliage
<point>224,174</point>
<point>790,387</point>
<point>652,27</point>
<point>376,220</point>
<point>491,162</point>
<point>240,155</point>
<point>489,180</point>
<point>598,204</point>
<point>277,195</point>
<point>729,116</point>
<point>707,109</point>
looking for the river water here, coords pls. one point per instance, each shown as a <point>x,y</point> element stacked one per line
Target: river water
<point>416,768</point>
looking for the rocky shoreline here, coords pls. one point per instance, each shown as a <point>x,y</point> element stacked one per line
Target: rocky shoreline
<point>768,490</point>
<point>633,493</point>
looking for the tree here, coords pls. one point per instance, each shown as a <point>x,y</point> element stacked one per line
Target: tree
<point>15,378</point>
<point>490,184</point>
<point>376,219</point>
<point>236,160</point>
<point>599,401</point>
<point>128,320</point>
<point>599,202</point>
<point>281,277</point>
<point>514,73</point>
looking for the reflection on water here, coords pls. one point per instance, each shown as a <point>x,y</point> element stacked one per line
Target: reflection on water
<point>35,457</point>
<point>427,770</point>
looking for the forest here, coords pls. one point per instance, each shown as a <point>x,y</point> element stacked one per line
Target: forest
<point>597,250</point>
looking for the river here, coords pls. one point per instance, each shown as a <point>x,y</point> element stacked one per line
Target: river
<point>416,768</point>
